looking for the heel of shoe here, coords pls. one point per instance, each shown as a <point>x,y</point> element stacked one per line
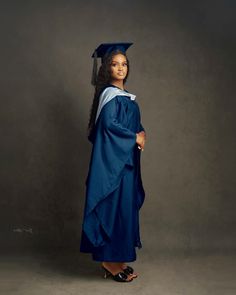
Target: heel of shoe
<point>106,273</point>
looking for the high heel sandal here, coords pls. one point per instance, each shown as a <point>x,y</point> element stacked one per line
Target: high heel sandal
<point>119,277</point>
<point>129,271</point>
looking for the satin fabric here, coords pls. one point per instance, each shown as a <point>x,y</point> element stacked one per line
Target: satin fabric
<point>114,189</point>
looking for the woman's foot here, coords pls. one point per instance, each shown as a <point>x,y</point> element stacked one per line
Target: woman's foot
<point>114,268</point>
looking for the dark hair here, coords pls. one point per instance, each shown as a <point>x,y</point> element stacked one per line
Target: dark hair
<point>103,79</point>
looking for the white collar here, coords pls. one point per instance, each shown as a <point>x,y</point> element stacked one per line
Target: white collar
<point>108,93</point>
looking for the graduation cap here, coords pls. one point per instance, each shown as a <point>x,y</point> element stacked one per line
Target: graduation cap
<point>103,50</point>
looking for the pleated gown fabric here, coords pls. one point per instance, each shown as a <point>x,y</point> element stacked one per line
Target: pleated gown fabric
<point>114,189</point>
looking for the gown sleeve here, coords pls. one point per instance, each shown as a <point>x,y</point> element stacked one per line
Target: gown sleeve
<point>141,128</point>
<point>113,121</point>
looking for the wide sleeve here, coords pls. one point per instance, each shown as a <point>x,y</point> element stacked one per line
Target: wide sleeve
<point>113,121</point>
<point>113,148</point>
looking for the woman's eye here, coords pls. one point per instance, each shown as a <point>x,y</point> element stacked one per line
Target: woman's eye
<point>124,65</point>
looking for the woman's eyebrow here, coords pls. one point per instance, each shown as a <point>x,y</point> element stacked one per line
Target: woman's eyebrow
<point>118,61</point>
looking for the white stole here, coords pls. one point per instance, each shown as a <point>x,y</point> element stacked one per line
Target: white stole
<point>109,93</point>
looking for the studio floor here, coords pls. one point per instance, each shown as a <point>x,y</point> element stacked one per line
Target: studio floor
<point>69,273</point>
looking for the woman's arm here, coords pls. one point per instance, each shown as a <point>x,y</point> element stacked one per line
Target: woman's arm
<point>111,124</point>
<point>116,129</point>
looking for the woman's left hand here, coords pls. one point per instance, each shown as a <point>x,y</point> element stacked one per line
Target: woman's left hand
<point>141,138</point>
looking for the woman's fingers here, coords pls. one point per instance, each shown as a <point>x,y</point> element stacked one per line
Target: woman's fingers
<point>142,149</point>
<point>141,140</point>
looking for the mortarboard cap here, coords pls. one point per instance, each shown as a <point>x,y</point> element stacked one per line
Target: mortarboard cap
<point>104,49</point>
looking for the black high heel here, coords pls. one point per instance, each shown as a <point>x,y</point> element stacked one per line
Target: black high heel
<point>129,271</point>
<point>119,277</point>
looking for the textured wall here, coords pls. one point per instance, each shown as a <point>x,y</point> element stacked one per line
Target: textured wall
<point>182,69</point>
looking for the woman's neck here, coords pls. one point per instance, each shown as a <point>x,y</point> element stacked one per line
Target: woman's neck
<point>118,84</point>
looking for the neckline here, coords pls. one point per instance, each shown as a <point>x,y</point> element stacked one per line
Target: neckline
<point>117,87</point>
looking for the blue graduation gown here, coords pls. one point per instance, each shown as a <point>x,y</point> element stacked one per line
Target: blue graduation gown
<point>114,189</point>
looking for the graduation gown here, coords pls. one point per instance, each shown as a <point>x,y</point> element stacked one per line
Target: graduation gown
<point>114,189</point>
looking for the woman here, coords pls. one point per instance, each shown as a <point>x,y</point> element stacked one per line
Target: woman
<point>114,190</point>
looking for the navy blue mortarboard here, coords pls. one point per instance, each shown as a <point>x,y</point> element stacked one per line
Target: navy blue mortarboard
<point>104,49</point>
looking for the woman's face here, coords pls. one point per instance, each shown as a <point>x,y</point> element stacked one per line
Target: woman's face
<point>119,67</point>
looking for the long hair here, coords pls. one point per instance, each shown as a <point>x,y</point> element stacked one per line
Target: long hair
<point>103,79</point>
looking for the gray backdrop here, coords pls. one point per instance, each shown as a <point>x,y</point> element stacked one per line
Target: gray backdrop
<point>182,70</point>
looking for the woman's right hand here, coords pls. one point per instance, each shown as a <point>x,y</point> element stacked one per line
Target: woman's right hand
<point>140,139</point>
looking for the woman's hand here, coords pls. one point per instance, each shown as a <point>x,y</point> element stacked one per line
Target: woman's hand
<point>140,139</point>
